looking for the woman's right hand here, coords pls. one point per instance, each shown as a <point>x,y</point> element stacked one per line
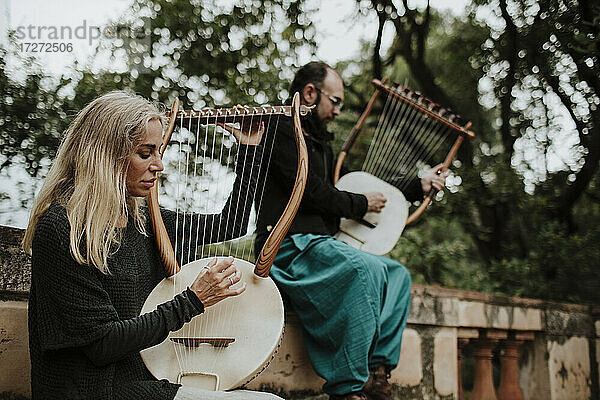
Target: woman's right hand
<point>215,282</point>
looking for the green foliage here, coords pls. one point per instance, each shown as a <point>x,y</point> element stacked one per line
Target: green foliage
<point>30,120</point>
<point>438,251</point>
<point>221,54</point>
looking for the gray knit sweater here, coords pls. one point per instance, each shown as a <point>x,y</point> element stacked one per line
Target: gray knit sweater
<point>72,307</point>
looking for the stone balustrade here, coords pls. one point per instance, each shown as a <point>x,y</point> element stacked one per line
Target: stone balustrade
<point>496,347</point>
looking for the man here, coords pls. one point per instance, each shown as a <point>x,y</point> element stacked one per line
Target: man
<point>353,305</point>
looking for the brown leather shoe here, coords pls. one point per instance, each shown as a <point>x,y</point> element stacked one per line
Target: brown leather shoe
<point>350,396</point>
<point>378,386</point>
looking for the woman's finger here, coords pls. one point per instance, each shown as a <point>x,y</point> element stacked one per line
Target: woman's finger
<point>225,273</point>
<point>236,291</point>
<point>235,278</point>
<point>223,264</point>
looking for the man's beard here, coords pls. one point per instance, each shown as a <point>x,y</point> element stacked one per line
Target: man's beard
<point>317,127</point>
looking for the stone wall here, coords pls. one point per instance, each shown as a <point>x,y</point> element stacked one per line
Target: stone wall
<point>558,344</point>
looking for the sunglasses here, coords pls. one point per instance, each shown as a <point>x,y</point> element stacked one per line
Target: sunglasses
<point>336,101</point>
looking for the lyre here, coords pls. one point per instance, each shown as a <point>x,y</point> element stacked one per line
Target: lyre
<point>412,132</point>
<point>210,352</point>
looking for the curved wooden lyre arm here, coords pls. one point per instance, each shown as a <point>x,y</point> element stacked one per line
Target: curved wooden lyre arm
<point>165,247</point>
<point>265,258</point>
<point>269,251</point>
<point>354,134</point>
<point>451,154</point>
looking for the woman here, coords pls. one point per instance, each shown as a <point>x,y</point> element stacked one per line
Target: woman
<point>94,260</point>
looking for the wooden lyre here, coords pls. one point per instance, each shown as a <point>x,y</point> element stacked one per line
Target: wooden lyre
<point>234,340</point>
<point>412,133</point>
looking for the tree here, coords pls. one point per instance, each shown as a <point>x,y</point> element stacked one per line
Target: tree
<point>203,52</point>
<point>533,63</point>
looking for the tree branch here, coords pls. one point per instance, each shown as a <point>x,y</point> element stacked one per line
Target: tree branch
<point>377,64</point>
<point>422,31</point>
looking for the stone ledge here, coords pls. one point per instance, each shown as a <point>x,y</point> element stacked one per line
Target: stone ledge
<point>500,300</point>
<point>15,271</point>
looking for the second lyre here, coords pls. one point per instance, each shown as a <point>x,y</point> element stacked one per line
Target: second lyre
<point>412,134</point>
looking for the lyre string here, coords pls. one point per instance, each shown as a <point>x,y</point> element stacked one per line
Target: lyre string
<point>229,158</point>
<point>249,190</point>
<point>199,181</point>
<point>377,132</point>
<point>384,138</point>
<point>202,180</point>
<point>392,123</point>
<point>237,205</point>
<point>228,312</point>
<point>193,326</point>
<point>259,172</point>
<point>176,348</point>
<point>408,156</point>
<point>428,137</point>
<point>213,316</point>
<point>225,169</point>
<point>185,196</point>
<point>377,138</point>
<point>186,328</point>
<point>407,127</point>
<point>182,137</point>
<point>437,138</point>
<point>212,200</point>
<point>396,134</point>
<point>397,155</point>
<point>266,139</point>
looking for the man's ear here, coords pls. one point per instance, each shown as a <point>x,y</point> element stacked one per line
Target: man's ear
<point>309,94</point>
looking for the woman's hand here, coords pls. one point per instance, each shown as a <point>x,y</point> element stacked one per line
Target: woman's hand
<point>250,131</point>
<point>215,282</point>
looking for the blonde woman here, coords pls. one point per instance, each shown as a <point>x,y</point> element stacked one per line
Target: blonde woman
<point>94,260</point>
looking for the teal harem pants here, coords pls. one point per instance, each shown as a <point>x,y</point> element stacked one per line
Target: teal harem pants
<point>353,306</point>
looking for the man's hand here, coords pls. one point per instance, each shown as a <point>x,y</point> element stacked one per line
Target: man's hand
<point>434,178</point>
<point>376,201</point>
<point>250,131</point>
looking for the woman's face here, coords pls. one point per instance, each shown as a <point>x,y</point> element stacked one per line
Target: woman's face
<point>145,162</point>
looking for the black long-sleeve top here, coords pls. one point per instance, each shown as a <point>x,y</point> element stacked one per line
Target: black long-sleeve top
<point>85,331</point>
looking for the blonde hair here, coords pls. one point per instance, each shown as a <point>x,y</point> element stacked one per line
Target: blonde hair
<point>88,176</point>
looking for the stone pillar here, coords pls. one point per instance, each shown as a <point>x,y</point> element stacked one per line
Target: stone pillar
<point>483,387</point>
<point>461,344</point>
<point>509,370</point>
